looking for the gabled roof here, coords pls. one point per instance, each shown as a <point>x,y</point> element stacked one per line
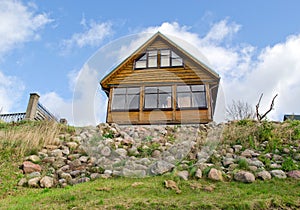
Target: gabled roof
<point>172,43</point>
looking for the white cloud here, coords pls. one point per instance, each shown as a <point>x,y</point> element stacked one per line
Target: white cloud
<point>18,24</point>
<point>93,35</point>
<point>9,86</point>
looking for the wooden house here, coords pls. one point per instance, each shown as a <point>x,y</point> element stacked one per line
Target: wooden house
<point>161,83</point>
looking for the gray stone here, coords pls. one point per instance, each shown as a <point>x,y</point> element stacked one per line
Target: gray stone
<point>34,158</point>
<point>134,173</point>
<point>34,182</point>
<point>106,151</point>
<point>47,182</point>
<point>94,176</point>
<point>34,174</point>
<point>227,161</point>
<point>215,174</point>
<point>156,154</point>
<point>84,159</point>
<point>183,175</point>
<point>22,182</point>
<point>56,153</point>
<point>59,163</point>
<point>256,163</point>
<point>237,148</point>
<point>275,166</point>
<point>264,175</point>
<point>244,176</point>
<point>277,157</point>
<point>247,153</point>
<point>75,173</point>
<point>75,163</point>
<point>29,167</point>
<point>286,151</point>
<point>278,174</point>
<point>160,167</point>
<point>294,174</point>
<point>66,176</point>
<point>198,174</point>
<point>48,160</point>
<point>122,152</point>
<point>72,145</point>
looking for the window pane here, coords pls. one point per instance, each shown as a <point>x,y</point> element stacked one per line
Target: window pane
<point>140,64</point>
<point>183,88</point>
<point>118,102</point>
<point>150,89</point>
<point>198,99</point>
<point>152,62</point>
<point>119,91</point>
<point>133,101</point>
<point>164,61</point>
<point>176,60</point>
<point>133,90</point>
<point>165,89</point>
<point>165,53</point>
<point>198,88</point>
<point>183,100</point>
<point>150,101</point>
<point>164,101</point>
<point>152,58</point>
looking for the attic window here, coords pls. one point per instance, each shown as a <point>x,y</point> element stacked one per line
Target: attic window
<point>147,60</point>
<point>169,58</point>
<point>158,58</point>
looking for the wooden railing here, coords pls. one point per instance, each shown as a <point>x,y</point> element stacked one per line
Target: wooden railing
<point>14,117</point>
<point>43,114</point>
<point>35,111</point>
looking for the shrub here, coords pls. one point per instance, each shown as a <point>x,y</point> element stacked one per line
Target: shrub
<point>288,164</point>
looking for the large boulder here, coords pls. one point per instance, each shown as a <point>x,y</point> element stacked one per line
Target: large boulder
<point>29,167</point>
<point>160,167</point>
<point>278,174</point>
<point>215,174</point>
<point>244,176</point>
<point>264,175</point>
<point>47,182</point>
<point>294,174</point>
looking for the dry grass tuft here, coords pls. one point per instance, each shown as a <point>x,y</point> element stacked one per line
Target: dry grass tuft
<point>28,138</point>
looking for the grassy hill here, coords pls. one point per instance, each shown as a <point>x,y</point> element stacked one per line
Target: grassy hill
<point>19,141</point>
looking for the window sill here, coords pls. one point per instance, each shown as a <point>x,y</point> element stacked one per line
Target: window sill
<point>157,109</point>
<point>191,108</point>
<point>125,110</point>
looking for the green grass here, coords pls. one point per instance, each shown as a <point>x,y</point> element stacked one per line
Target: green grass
<point>153,195</point>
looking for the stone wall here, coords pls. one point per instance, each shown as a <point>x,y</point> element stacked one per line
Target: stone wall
<point>187,151</point>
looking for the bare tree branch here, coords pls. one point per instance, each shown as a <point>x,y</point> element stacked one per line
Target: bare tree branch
<point>259,116</point>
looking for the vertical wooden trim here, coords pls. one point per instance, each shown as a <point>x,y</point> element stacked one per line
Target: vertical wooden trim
<point>174,101</point>
<point>208,101</point>
<point>141,114</point>
<point>108,114</point>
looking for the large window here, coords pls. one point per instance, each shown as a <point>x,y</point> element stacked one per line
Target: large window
<point>126,98</point>
<point>158,97</point>
<point>158,58</point>
<point>191,96</point>
<point>168,58</point>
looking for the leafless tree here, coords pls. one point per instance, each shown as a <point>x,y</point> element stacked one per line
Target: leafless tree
<point>239,110</point>
<point>260,117</point>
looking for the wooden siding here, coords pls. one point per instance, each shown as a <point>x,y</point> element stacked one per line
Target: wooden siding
<point>160,117</point>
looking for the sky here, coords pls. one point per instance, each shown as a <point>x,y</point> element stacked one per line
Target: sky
<point>49,47</point>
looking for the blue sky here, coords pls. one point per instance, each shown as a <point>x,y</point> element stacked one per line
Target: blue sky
<point>44,45</point>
